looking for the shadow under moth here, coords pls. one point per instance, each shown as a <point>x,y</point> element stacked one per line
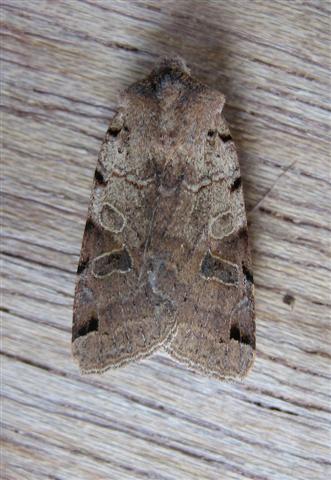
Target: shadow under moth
<point>165,260</point>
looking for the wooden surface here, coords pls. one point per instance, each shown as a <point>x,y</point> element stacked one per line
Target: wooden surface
<point>64,63</point>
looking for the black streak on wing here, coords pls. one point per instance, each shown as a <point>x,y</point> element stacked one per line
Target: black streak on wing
<point>225,138</point>
<point>82,266</point>
<point>248,274</point>
<point>236,184</point>
<point>99,178</point>
<point>91,326</point>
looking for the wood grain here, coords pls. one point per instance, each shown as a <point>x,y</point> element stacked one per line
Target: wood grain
<point>63,66</point>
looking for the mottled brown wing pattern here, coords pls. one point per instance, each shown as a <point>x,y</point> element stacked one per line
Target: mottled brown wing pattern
<point>165,257</point>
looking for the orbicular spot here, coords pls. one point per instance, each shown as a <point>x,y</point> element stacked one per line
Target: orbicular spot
<point>215,268</point>
<point>111,219</point>
<point>117,261</point>
<point>222,225</point>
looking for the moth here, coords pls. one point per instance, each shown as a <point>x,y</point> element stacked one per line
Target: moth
<point>165,260</point>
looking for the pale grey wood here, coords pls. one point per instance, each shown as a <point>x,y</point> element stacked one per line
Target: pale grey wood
<point>64,64</point>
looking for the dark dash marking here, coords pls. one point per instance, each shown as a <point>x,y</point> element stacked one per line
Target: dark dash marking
<point>235,333</point>
<point>248,274</point>
<point>236,184</point>
<point>99,178</point>
<point>91,326</point>
<point>225,138</point>
<point>243,233</point>
<point>90,226</point>
<point>211,133</point>
<point>246,340</point>
<point>114,131</point>
<point>82,266</point>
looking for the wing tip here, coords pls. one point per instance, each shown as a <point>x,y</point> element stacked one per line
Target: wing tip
<point>241,356</point>
<point>93,352</point>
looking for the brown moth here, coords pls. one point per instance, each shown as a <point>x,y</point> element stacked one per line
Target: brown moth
<point>165,259</point>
